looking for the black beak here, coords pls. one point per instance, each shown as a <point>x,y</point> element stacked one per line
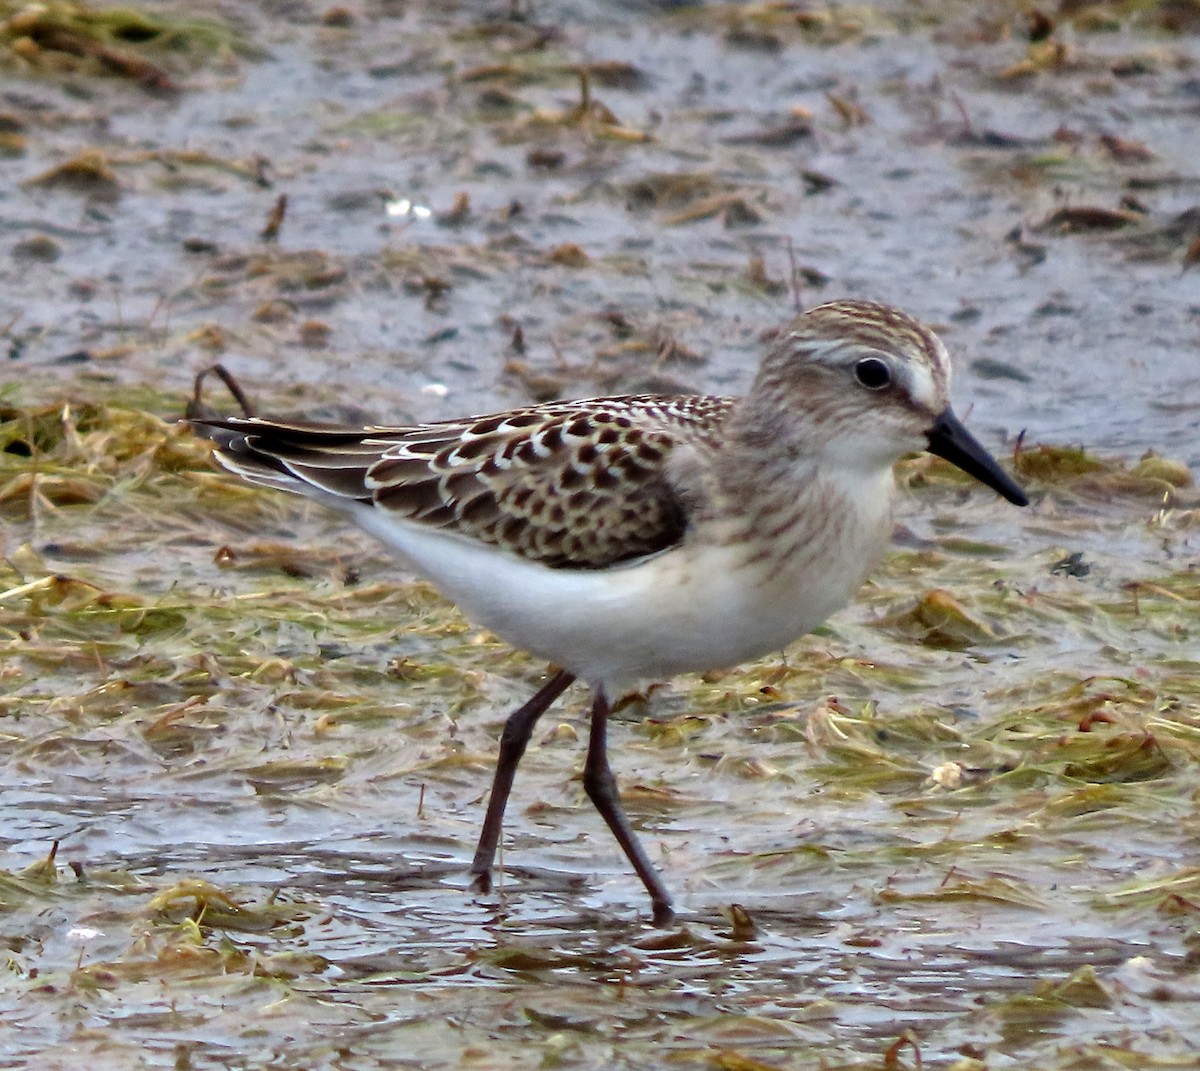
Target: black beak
<point>949,439</point>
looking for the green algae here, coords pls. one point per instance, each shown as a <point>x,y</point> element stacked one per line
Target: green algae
<point>171,670</point>
<point>125,42</point>
<point>954,826</point>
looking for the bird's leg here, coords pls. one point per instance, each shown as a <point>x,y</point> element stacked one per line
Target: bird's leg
<point>601,787</point>
<point>517,731</point>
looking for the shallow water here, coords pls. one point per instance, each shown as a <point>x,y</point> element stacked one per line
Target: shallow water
<point>1039,912</point>
<point>353,123</point>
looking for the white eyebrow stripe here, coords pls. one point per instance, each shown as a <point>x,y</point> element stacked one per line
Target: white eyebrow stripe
<point>826,351</point>
<point>921,385</point>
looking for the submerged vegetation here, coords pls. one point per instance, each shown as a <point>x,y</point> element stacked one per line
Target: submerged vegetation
<point>144,47</point>
<point>308,674</point>
<point>244,756</point>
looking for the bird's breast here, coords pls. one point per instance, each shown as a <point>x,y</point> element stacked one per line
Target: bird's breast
<point>736,588</point>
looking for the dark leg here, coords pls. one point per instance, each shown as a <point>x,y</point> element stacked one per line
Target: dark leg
<point>601,787</point>
<point>517,731</point>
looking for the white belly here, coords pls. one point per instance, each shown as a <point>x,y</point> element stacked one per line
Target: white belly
<point>696,607</point>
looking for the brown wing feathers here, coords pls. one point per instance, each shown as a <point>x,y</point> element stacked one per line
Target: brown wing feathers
<point>571,485</point>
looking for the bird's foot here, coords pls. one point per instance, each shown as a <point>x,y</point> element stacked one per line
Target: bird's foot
<point>481,881</point>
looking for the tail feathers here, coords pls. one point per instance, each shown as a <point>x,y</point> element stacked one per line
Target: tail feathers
<point>259,472</point>
<point>300,458</point>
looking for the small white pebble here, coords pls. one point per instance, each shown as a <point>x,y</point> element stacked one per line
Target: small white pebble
<point>948,775</point>
<point>563,732</point>
<point>403,206</point>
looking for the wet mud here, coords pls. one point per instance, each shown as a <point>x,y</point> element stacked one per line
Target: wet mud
<point>955,828</point>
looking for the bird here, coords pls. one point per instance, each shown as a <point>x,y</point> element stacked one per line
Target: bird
<point>629,539</point>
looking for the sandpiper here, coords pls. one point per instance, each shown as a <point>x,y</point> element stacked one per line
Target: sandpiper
<point>632,538</point>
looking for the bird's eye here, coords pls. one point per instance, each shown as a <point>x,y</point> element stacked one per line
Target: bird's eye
<point>873,373</point>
